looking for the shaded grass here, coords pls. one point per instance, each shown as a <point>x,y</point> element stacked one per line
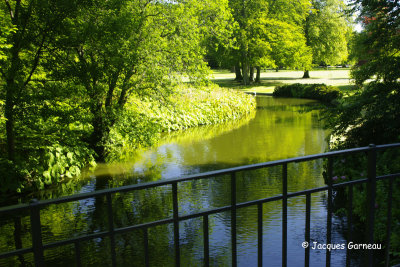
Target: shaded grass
<point>350,88</point>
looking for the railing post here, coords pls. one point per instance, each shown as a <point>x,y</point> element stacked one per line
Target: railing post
<point>389,222</point>
<point>206,241</point>
<point>146,246</point>
<point>36,229</point>
<point>307,232</point>
<point>111,229</point>
<point>329,214</point>
<point>233,219</point>
<point>284,215</point>
<point>371,191</point>
<point>176,223</point>
<point>260,233</point>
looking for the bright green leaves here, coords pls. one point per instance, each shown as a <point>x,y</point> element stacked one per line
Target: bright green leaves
<point>327,30</point>
<point>377,47</point>
<point>270,34</point>
<point>289,47</point>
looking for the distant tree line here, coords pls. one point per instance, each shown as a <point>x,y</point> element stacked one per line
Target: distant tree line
<point>277,33</point>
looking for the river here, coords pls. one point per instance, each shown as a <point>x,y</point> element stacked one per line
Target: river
<point>281,128</point>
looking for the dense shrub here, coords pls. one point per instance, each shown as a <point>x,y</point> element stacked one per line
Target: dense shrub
<point>321,92</point>
<point>370,116</point>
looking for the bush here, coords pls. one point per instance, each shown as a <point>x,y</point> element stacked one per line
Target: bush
<point>321,92</point>
<point>370,116</point>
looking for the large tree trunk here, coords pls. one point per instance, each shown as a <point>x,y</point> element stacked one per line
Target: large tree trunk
<point>245,72</point>
<point>306,74</point>
<point>238,73</point>
<point>99,131</point>
<point>251,78</point>
<point>258,75</point>
<point>96,139</point>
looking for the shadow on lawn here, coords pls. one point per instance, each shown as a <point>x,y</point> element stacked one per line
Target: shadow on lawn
<point>230,83</point>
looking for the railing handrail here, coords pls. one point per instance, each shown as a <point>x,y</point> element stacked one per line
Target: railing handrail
<point>204,175</point>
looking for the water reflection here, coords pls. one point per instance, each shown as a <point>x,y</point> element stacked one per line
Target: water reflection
<point>280,129</point>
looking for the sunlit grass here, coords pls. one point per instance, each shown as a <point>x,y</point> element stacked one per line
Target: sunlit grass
<point>270,79</point>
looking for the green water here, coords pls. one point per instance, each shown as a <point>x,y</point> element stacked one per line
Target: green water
<point>281,128</point>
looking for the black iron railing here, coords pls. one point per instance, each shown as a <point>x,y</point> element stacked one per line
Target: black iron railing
<point>35,206</point>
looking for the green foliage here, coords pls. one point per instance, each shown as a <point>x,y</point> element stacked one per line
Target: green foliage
<point>378,46</point>
<point>68,70</point>
<point>144,120</point>
<point>44,167</point>
<point>267,34</point>
<point>288,45</point>
<point>321,92</point>
<point>371,115</point>
<point>327,31</point>
<point>350,168</point>
<point>202,106</point>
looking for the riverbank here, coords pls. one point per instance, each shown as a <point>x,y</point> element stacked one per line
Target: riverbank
<point>187,107</point>
<point>139,125</point>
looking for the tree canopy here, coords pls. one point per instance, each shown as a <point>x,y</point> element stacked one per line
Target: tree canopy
<point>328,31</point>
<point>71,69</point>
<point>68,70</point>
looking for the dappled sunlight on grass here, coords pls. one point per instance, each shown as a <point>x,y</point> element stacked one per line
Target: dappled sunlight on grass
<point>270,79</point>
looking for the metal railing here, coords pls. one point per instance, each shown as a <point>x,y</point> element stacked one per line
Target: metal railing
<point>35,206</point>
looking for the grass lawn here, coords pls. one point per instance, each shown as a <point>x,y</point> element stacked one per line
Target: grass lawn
<point>271,78</point>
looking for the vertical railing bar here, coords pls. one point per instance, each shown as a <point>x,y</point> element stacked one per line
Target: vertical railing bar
<point>36,229</point>
<point>371,191</point>
<point>389,222</point>
<point>206,241</point>
<point>260,233</point>
<point>349,223</point>
<point>176,223</point>
<point>329,214</point>
<point>111,229</point>
<point>146,246</point>
<point>233,219</point>
<point>307,232</point>
<point>78,254</point>
<point>284,215</point>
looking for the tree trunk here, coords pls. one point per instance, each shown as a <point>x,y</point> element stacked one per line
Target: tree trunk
<point>245,71</point>
<point>277,69</point>
<point>251,78</point>
<point>11,89</point>
<point>9,115</point>
<point>99,131</point>
<point>306,74</point>
<point>238,73</point>
<point>258,75</point>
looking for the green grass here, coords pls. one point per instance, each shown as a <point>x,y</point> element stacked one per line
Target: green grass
<point>339,77</point>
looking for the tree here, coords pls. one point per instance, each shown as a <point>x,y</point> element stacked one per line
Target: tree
<point>378,46</point>
<point>123,47</point>
<point>370,116</point>
<point>28,29</point>
<point>68,70</point>
<point>268,33</point>
<point>327,29</point>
